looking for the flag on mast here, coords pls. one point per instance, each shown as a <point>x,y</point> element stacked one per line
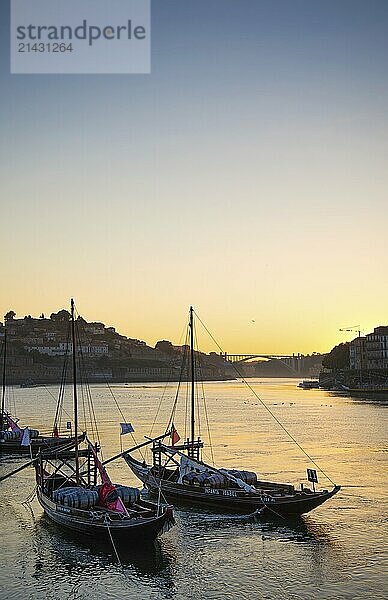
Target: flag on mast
<point>175,437</point>
<point>126,428</point>
<point>107,492</point>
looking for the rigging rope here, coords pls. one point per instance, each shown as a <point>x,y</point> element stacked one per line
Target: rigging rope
<point>111,539</point>
<point>265,406</point>
<point>199,362</point>
<point>167,383</point>
<point>172,415</point>
<point>59,410</point>
<point>90,399</point>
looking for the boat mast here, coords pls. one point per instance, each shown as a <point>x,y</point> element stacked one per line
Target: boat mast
<point>3,385</point>
<point>77,477</point>
<point>191,325</point>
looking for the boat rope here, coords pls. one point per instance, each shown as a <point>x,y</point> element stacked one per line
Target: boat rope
<point>59,410</point>
<point>204,402</point>
<point>267,407</point>
<point>186,421</point>
<point>93,419</point>
<point>173,411</point>
<point>29,498</point>
<point>171,363</point>
<point>162,397</point>
<point>271,509</point>
<point>52,396</point>
<point>159,495</point>
<point>86,389</point>
<point>111,539</point>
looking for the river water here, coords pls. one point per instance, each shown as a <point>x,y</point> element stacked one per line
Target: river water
<point>337,551</point>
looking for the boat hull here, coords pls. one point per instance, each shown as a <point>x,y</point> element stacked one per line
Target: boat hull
<point>99,525</point>
<point>231,499</point>
<point>41,443</point>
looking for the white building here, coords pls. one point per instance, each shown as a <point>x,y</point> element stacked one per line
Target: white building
<point>370,352</point>
<point>100,349</point>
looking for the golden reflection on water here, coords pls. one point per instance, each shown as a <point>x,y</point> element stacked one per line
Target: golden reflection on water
<point>209,555</point>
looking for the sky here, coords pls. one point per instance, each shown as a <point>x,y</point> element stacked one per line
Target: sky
<point>246,175</point>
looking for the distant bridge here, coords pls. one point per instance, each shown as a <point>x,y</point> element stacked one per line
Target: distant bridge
<point>294,362</point>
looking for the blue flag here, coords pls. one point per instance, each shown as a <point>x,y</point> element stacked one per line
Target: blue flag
<point>126,428</point>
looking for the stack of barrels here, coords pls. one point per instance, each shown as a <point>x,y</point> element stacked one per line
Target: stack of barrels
<point>128,495</point>
<point>76,497</point>
<point>218,480</point>
<point>246,476</point>
<point>16,435</point>
<point>205,479</point>
<point>11,435</point>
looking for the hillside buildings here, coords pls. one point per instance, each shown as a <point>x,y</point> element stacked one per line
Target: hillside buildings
<point>36,348</point>
<point>370,352</point>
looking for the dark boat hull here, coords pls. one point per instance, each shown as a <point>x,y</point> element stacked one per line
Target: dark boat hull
<point>40,443</point>
<point>231,499</point>
<point>87,522</point>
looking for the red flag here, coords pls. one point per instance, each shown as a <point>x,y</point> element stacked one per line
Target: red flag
<point>107,494</point>
<point>175,437</point>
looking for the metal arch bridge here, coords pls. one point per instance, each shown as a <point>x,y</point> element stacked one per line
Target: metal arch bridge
<point>233,358</point>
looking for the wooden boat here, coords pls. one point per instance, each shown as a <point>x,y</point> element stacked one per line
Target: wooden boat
<point>80,507</point>
<point>309,384</point>
<point>179,472</point>
<point>71,496</point>
<point>15,439</point>
<point>40,442</point>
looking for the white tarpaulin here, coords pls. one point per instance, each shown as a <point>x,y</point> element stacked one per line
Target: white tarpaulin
<point>26,437</point>
<point>187,466</point>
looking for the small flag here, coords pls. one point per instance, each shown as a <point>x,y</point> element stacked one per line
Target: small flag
<point>26,437</point>
<point>126,428</point>
<point>312,475</point>
<point>175,437</point>
<point>12,424</point>
<point>68,425</point>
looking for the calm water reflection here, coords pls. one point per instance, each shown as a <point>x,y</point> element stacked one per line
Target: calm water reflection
<point>337,551</point>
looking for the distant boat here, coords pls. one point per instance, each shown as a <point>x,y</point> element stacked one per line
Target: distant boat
<point>179,473</point>
<point>309,384</point>
<point>71,496</point>
<point>23,440</point>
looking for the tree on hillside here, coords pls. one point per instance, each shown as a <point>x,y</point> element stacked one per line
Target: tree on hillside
<point>60,317</point>
<point>10,315</point>
<point>338,358</point>
<point>165,346</point>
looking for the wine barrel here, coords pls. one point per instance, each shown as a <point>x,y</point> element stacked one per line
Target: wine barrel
<point>199,479</point>
<point>189,477</point>
<point>128,495</point>
<point>215,480</point>
<point>75,497</point>
<point>11,435</point>
<point>246,476</point>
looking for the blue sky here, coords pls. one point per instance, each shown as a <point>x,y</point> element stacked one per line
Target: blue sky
<point>246,175</point>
